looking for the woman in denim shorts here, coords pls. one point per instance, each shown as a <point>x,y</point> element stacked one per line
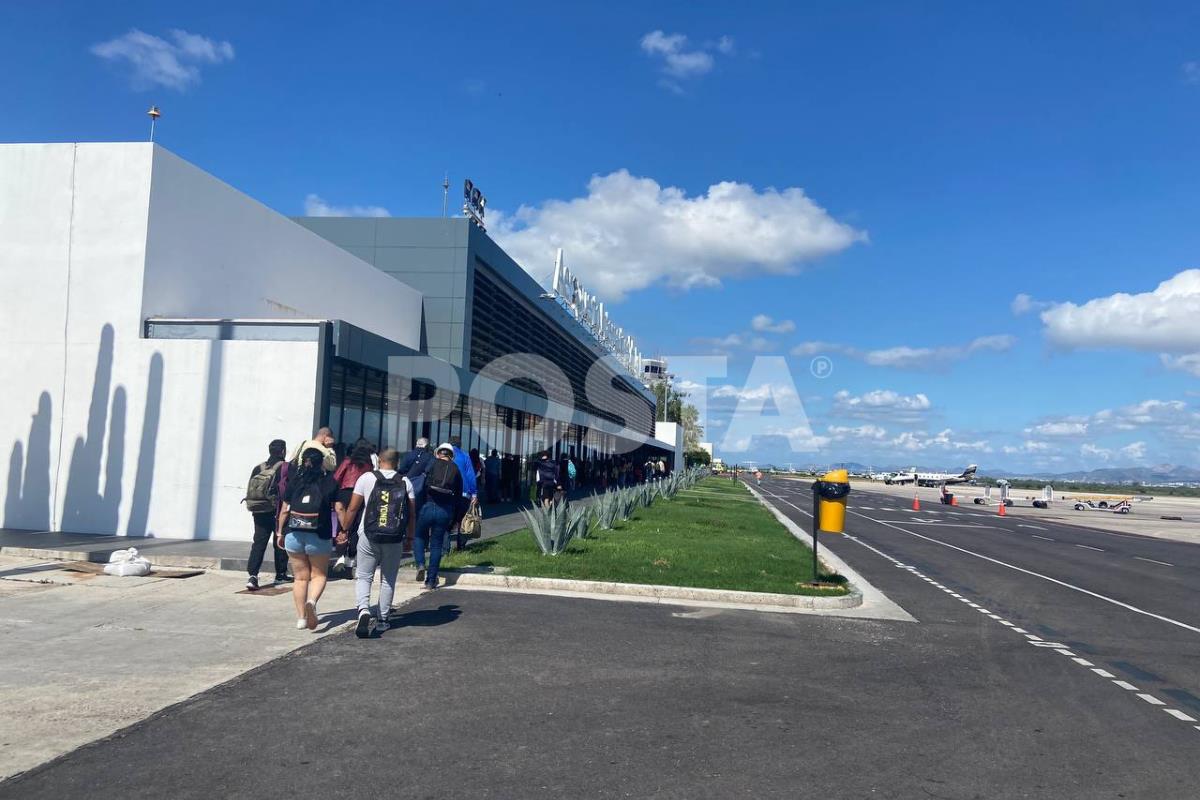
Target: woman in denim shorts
<point>305,531</point>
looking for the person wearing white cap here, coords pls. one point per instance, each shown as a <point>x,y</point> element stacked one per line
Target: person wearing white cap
<point>443,488</point>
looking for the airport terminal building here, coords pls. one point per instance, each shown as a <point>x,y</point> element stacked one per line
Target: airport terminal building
<point>163,327</point>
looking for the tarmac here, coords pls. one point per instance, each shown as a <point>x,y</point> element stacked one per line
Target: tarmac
<point>1145,518</point>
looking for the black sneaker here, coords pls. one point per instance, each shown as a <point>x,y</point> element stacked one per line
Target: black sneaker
<point>285,578</point>
<point>363,629</point>
<point>252,583</point>
<point>420,574</point>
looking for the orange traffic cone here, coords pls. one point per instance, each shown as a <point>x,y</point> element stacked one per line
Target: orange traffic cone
<point>953,500</point>
<point>1002,511</point>
<point>916,502</point>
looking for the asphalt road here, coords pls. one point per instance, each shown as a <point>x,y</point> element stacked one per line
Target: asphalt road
<point>485,694</point>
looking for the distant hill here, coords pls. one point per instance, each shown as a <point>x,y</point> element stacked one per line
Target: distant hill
<point>1160,473</point>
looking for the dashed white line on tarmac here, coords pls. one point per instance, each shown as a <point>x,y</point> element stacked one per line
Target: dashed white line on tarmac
<point>1046,538</point>
<point>1035,527</point>
<point>1126,685</point>
<point>1064,651</point>
<point>1179,715</point>
<point>1083,662</point>
<point>1089,547</point>
<point>1151,699</point>
<point>1103,673</point>
<point>1047,578</point>
<point>1152,561</point>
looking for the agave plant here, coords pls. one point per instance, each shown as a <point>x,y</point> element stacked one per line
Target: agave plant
<point>555,526</point>
<point>606,510</point>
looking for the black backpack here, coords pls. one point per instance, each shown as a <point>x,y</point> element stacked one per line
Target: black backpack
<point>547,471</point>
<point>385,519</point>
<point>306,508</point>
<point>440,479</point>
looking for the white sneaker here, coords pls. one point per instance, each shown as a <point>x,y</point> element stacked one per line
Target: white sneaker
<point>340,564</point>
<point>350,563</point>
<point>301,624</point>
<point>310,615</point>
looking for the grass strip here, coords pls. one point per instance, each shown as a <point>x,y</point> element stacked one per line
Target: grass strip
<point>711,539</point>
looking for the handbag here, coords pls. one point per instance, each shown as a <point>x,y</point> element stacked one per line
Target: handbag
<point>472,523</point>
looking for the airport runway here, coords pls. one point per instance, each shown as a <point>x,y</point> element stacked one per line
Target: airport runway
<point>1113,609</point>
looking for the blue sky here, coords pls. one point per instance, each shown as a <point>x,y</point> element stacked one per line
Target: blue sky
<point>889,178</point>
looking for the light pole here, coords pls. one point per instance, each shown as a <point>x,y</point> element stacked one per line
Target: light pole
<point>154,114</point>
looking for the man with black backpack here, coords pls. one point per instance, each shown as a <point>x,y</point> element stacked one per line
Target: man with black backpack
<point>262,501</point>
<point>443,490</point>
<point>388,519</point>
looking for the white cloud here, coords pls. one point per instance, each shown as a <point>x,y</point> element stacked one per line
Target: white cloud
<point>881,404</point>
<point>725,46</point>
<point>1095,452</point>
<point>756,393</point>
<point>764,324</point>
<point>629,232</point>
<point>1135,451</point>
<point>882,398</point>
<point>158,62</point>
<point>314,206</point>
<point>906,357</point>
<point>1065,427</point>
<point>1189,363</point>
<point>1191,71</point>
<point>842,432</point>
<point>1023,304</point>
<point>1163,320</point>
<point>678,60</point>
<point>1027,447</point>
<point>912,442</point>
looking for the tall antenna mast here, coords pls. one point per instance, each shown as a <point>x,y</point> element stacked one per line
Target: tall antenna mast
<point>154,114</point>
<point>445,192</point>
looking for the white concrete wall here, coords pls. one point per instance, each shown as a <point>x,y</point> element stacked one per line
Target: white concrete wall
<point>108,432</point>
<point>214,252</point>
<point>670,434</point>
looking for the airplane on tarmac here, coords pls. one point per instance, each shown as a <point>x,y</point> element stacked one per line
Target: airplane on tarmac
<point>932,478</point>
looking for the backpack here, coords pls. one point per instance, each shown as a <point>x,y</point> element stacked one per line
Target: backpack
<point>547,471</point>
<point>385,519</point>
<point>304,512</point>
<point>571,470</point>
<point>439,479</point>
<point>262,492</point>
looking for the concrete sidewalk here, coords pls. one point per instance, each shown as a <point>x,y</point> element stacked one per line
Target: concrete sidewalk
<point>86,655</point>
<point>207,554</point>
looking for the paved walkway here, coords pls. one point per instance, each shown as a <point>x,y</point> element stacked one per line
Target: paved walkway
<point>499,518</point>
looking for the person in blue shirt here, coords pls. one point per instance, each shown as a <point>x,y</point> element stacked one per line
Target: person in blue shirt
<point>469,493</point>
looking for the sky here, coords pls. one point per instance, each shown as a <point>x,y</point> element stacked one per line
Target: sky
<point>900,233</point>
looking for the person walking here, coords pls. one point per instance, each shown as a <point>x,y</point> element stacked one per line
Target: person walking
<point>262,501</point>
<point>356,464</point>
<point>546,477</point>
<point>306,517</point>
<point>470,491</point>
<point>491,468</point>
<point>323,441</point>
<point>387,503</point>
<point>413,466</point>
<point>443,489</point>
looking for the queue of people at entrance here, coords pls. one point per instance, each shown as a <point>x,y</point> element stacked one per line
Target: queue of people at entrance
<point>359,511</point>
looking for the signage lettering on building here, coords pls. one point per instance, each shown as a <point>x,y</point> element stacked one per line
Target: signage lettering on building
<point>474,203</point>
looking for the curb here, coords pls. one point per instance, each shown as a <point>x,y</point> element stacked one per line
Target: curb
<point>871,599</point>
<point>654,592</point>
<point>101,557</point>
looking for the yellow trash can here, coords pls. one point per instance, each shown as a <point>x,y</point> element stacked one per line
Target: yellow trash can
<point>832,492</point>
